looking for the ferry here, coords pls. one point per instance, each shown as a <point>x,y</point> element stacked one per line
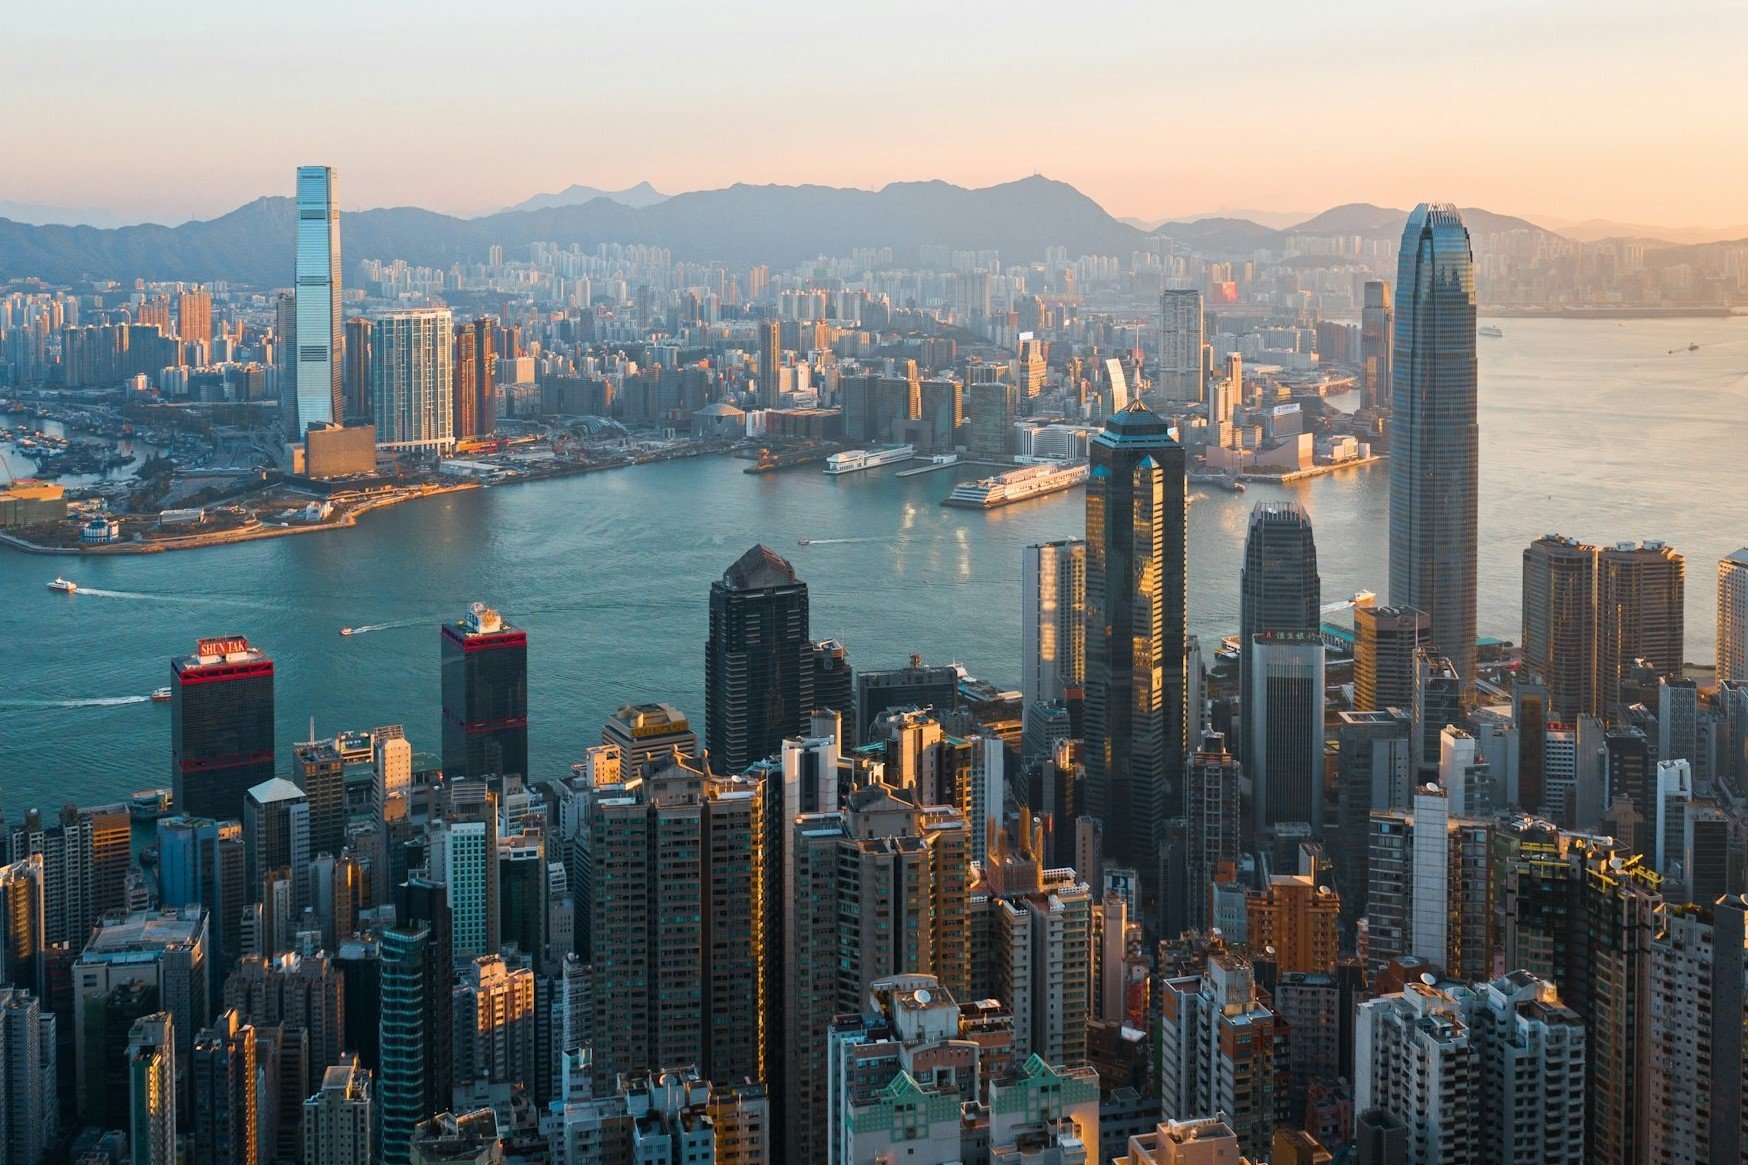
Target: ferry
<point>161,695</point>
<point>1004,489</point>
<point>1225,481</point>
<point>149,804</point>
<point>855,460</point>
<point>1491,331</point>
<point>63,586</point>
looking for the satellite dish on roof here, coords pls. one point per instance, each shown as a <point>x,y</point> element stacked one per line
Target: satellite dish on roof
<point>1429,978</point>
<point>1269,950</point>
<point>923,996</point>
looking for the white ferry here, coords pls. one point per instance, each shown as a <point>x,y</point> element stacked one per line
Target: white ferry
<point>1492,331</point>
<point>64,586</point>
<point>1017,485</point>
<point>855,460</point>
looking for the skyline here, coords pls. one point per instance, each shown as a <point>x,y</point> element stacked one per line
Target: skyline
<point>562,112</point>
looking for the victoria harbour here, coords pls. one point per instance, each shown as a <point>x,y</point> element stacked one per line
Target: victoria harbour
<point>609,572</point>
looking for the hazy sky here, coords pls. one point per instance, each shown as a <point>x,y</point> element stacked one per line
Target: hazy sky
<point>1634,111</point>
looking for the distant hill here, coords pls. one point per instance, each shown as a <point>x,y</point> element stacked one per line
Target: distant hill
<point>777,224</point>
<point>1362,218</point>
<point>641,195</point>
<point>1596,229</point>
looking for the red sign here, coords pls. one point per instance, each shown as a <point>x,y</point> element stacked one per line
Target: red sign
<point>229,645</point>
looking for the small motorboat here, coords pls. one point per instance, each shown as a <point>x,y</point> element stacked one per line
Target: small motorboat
<point>161,696</point>
<point>63,586</point>
<point>805,542</point>
<point>345,630</point>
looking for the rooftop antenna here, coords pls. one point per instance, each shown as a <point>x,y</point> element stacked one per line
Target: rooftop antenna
<point>312,738</point>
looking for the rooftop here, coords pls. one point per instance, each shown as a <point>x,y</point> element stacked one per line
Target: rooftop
<point>757,569</point>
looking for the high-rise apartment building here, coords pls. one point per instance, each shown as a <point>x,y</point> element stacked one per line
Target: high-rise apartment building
<point>337,1118</point>
<point>1286,729</point>
<point>678,907</point>
<point>1375,771</point>
<point>1385,642</point>
<point>465,399</point>
<point>30,1116</point>
<point>1052,619</point>
<point>1434,438</point>
<point>225,1124</point>
<point>1641,614</point>
<point>194,316</point>
<point>495,1023</point>
<point>758,662</point>
<point>1377,343</point>
<point>412,379</point>
<point>1136,595</point>
<point>319,769</point>
<point>1212,836</point>
<point>221,726</point>
<point>301,993</point>
<point>770,364</point>
<point>317,360</point>
<point>1218,1050</point>
<point>360,405</point>
<point>1733,616</point>
<point>485,696</point>
<point>151,1073</point>
<point>1279,589</point>
<point>1180,346</point>
<point>1559,622</point>
<point>1697,1070</point>
<point>1297,916</point>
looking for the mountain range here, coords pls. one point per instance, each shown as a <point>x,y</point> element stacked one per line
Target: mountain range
<point>781,225</point>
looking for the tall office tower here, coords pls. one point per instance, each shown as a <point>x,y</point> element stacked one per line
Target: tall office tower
<point>276,836</point>
<point>485,380</point>
<point>1377,343</point>
<point>1678,721</point>
<point>834,681</point>
<point>1640,614</point>
<point>201,862</point>
<point>30,1118</point>
<point>1034,928</point>
<point>1180,346</point>
<point>407,1035</point>
<point>1136,596</point>
<point>226,1125</point>
<point>412,379</point>
<point>1559,622</point>
<point>1699,971</point>
<point>1211,806</point>
<point>878,889</point>
<point>1385,642</point>
<point>920,685</point>
<point>1632,781</point>
<point>758,665</point>
<point>991,408</point>
<point>1218,1046</point>
<point>360,406</point>
<point>649,732</point>
<point>319,329</point>
<point>21,911</point>
<point>1052,619</point>
<point>1434,439</point>
<point>464,400</point>
<point>524,894</point>
<point>151,1073</point>
<point>485,696</point>
<point>194,316</point>
<point>1286,730</point>
<point>337,1119</point>
<point>770,364</point>
<point>320,771</point>
<point>1279,589</point>
<point>300,993</point>
<point>1376,771</point>
<point>1733,616</point>
<point>1530,718</point>
<point>285,354</point>
<point>164,951</point>
<point>464,856</point>
<point>1438,702</point>
<point>221,726</point>
<point>495,1023</point>
<point>678,904</point>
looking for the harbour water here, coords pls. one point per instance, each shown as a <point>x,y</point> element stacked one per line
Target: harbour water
<point>1591,428</point>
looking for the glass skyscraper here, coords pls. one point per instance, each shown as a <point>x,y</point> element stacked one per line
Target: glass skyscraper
<point>412,379</point>
<point>1135,635</point>
<point>1434,438</point>
<point>485,696</point>
<point>317,360</point>
<point>1279,589</point>
<point>758,662</point>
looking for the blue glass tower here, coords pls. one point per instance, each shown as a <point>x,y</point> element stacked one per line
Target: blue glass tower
<point>1434,438</point>
<point>317,363</point>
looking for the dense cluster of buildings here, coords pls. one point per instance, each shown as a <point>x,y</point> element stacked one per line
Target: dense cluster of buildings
<point>1367,898</point>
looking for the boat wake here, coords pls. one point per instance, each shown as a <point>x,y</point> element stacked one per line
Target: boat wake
<point>93,702</point>
<point>104,594</point>
<point>366,628</point>
<point>838,541</point>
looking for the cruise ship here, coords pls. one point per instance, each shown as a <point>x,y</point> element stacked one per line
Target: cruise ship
<point>1016,485</point>
<point>855,460</point>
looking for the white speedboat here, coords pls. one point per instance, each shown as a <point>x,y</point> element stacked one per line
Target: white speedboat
<point>62,585</point>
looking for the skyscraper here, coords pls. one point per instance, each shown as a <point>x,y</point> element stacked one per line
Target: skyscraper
<point>465,399</point>
<point>151,1072</point>
<point>1180,346</point>
<point>1212,839</point>
<point>29,1107</point>
<point>1699,969</point>
<point>1559,622</point>
<point>1136,594</point>
<point>495,1022</point>
<point>991,408</point>
<point>1641,613</point>
<point>319,337</point>
<point>194,316</point>
<point>221,726</point>
<point>758,661</point>
<point>1279,589</point>
<point>360,406</point>
<point>1218,1047</point>
<point>485,696</point>
<point>1733,616</point>
<point>412,379</point>
<point>1434,438</point>
<point>1377,343</point>
<point>1286,735</point>
<point>320,771</point>
<point>1385,642</point>
<point>1052,619</point>
<point>337,1126</point>
<point>226,1128</point>
<point>770,364</point>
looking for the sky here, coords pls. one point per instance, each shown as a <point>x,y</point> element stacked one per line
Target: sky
<point>1557,109</point>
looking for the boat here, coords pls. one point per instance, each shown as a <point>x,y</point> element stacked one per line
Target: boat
<point>1017,485</point>
<point>149,804</point>
<point>345,630</point>
<point>1225,481</point>
<point>62,585</point>
<point>805,542</point>
<point>160,695</point>
<point>1693,347</point>
<point>856,460</point>
<point>1491,331</point>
